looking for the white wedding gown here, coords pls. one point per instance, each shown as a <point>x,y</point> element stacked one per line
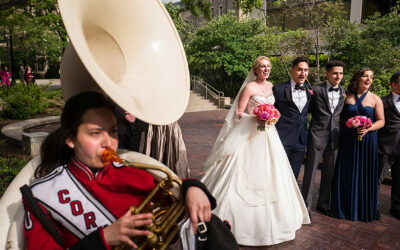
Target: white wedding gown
<point>251,178</point>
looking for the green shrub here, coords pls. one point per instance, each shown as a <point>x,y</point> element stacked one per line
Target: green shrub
<point>9,168</point>
<point>381,85</point>
<point>278,71</point>
<point>22,101</point>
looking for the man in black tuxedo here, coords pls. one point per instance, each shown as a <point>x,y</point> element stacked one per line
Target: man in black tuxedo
<point>131,131</point>
<point>323,135</point>
<point>292,99</point>
<point>389,143</point>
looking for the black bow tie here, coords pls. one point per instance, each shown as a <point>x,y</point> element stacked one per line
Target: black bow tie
<point>398,100</point>
<point>333,89</point>
<point>299,87</point>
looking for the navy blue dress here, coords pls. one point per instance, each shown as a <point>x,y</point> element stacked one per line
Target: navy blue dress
<point>354,191</point>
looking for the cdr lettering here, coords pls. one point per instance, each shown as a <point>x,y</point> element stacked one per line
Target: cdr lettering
<point>77,209</point>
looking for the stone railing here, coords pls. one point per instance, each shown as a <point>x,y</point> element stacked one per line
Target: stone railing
<point>209,92</point>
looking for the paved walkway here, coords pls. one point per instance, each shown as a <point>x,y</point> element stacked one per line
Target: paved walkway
<point>200,130</point>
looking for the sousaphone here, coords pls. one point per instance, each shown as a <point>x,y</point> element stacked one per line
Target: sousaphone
<point>130,51</point>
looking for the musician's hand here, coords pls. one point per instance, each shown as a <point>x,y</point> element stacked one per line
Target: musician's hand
<point>129,117</point>
<point>124,227</point>
<point>198,206</point>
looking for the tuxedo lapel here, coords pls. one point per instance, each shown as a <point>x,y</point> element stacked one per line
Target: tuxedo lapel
<point>288,91</point>
<point>325,96</point>
<point>392,105</point>
<point>341,98</point>
<point>342,94</point>
<point>309,92</point>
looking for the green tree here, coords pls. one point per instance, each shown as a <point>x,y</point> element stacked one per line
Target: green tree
<point>183,26</point>
<point>283,46</point>
<point>222,51</point>
<point>317,17</point>
<point>37,31</point>
<point>374,44</point>
<point>197,8</point>
<point>247,6</point>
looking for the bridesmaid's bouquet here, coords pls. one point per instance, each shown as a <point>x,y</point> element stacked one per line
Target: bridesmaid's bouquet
<point>266,114</point>
<point>359,122</point>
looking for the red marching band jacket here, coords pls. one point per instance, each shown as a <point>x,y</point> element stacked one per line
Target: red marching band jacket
<point>80,203</point>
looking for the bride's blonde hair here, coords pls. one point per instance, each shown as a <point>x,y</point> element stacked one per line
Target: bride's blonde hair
<point>256,63</point>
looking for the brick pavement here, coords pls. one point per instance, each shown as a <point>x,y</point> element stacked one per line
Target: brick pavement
<point>200,129</point>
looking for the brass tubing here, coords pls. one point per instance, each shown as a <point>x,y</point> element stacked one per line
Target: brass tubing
<point>167,216</point>
<point>168,213</point>
<point>173,215</point>
<point>148,198</point>
<point>169,239</point>
<point>147,166</point>
<point>173,221</point>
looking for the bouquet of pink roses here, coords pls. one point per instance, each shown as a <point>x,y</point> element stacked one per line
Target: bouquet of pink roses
<point>359,122</point>
<point>266,114</point>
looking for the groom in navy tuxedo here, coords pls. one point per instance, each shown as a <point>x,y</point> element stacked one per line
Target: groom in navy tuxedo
<point>292,99</point>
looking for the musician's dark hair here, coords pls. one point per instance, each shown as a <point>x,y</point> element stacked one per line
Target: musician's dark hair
<point>334,63</point>
<point>54,150</point>
<point>355,79</point>
<point>300,59</point>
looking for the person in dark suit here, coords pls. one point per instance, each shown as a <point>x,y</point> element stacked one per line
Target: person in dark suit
<point>389,143</point>
<point>131,131</point>
<point>323,135</point>
<point>292,99</point>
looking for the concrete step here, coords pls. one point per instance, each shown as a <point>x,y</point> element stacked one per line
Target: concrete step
<point>199,103</point>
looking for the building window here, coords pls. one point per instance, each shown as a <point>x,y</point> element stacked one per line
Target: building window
<point>220,10</point>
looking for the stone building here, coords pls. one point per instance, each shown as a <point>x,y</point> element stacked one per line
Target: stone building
<point>357,11</point>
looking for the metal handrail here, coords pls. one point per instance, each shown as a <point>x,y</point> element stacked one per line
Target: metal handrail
<point>208,91</point>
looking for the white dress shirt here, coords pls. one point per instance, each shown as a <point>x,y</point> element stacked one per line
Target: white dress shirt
<point>299,96</point>
<point>333,96</point>
<point>396,100</point>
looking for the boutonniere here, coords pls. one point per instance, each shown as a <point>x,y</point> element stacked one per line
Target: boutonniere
<point>344,95</point>
<point>311,91</point>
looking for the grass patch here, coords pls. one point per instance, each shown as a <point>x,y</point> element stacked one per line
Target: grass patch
<point>9,168</point>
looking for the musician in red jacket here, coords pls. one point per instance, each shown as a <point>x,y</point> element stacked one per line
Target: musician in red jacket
<point>84,202</point>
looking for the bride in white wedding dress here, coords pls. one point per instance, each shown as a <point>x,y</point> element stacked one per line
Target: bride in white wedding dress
<point>249,173</point>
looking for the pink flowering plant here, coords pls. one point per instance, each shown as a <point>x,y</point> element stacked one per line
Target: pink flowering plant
<point>359,122</point>
<point>266,114</point>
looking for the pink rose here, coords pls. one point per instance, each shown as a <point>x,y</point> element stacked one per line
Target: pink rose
<point>256,111</point>
<point>356,123</point>
<point>264,115</point>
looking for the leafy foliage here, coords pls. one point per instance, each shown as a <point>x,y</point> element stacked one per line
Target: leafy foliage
<point>317,17</point>
<point>9,168</point>
<point>22,101</point>
<point>374,44</point>
<point>37,31</point>
<point>223,49</point>
<point>286,46</point>
<point>197,8</point>
<point>183,26</point>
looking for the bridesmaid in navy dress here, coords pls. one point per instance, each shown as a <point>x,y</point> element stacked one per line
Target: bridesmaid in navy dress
<point>354,191</point>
